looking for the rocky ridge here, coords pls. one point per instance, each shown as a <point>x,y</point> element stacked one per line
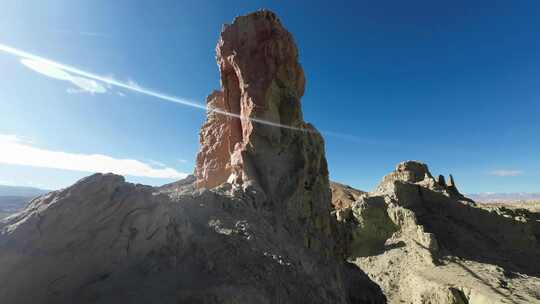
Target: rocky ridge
<point>424,242</point>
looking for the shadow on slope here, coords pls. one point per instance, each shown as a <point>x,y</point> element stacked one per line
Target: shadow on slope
<point>469,232</point>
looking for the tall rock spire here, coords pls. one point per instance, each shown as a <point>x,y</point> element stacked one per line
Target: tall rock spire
<point>261,79</point>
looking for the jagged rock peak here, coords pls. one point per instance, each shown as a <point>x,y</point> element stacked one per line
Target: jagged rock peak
<point>441,181</point>
<point>416,172</point>
<point>409,171</point>
<point>452,185</point>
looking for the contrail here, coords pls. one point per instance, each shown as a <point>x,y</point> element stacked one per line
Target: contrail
<point>135,88</point>
<point>153,93</point>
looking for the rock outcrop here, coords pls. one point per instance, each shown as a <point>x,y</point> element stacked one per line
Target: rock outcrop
<point>265,148</point>
<point>213,161</point>
<point>261,80</point>
<point>343,196</point>
<point>424,242</point>
<point>253,225</point>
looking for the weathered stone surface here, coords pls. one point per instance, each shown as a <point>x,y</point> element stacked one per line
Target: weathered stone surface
<point>213,161</point>
<point>284,167</point>
<point>107,241</point>
<point>408,171</point>
<point>423,242</point>
<point>451,182</point>
<point>452,186</point>
<point>261,79</point>
<point>373,226</point>
<point>441,181</point>
<point>343,196</point>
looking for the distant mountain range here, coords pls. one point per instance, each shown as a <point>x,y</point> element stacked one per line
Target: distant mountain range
<point>21,191</point>
<point>504,197</point>
<point>13,198</point>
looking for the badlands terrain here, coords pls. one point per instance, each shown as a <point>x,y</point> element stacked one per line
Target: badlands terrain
<point>424,242</point>
<point>260,222</point>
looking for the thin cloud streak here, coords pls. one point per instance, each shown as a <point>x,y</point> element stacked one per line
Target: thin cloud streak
<point>504,173</point>
<point>132,86</point>
<point>84,85</point>
<point>94,34</point>
<point>83,33</point>
<point>14,151</point>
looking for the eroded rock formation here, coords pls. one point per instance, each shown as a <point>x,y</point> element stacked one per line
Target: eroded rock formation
<point>343,196</point>
<point>261,79</point>
<point>213,161</point>
<point>424,242</point>
<point>263,233</point>
<point>284,167</point>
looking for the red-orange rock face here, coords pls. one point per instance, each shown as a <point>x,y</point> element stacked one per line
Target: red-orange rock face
<point>213,160</point>
<point>261,79</point>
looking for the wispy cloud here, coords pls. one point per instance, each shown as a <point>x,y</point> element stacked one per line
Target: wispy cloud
<point>132,83</point>
<point>94,34</point>
<point>45,65</point>
<point>84,85</point>
<point>157,163</point>
<point>98,84</point>
<point>15,151</point>
<point>506,172</point>
<point>83,33</point>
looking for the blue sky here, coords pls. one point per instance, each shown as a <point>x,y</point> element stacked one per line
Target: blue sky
<point>456,85</point>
